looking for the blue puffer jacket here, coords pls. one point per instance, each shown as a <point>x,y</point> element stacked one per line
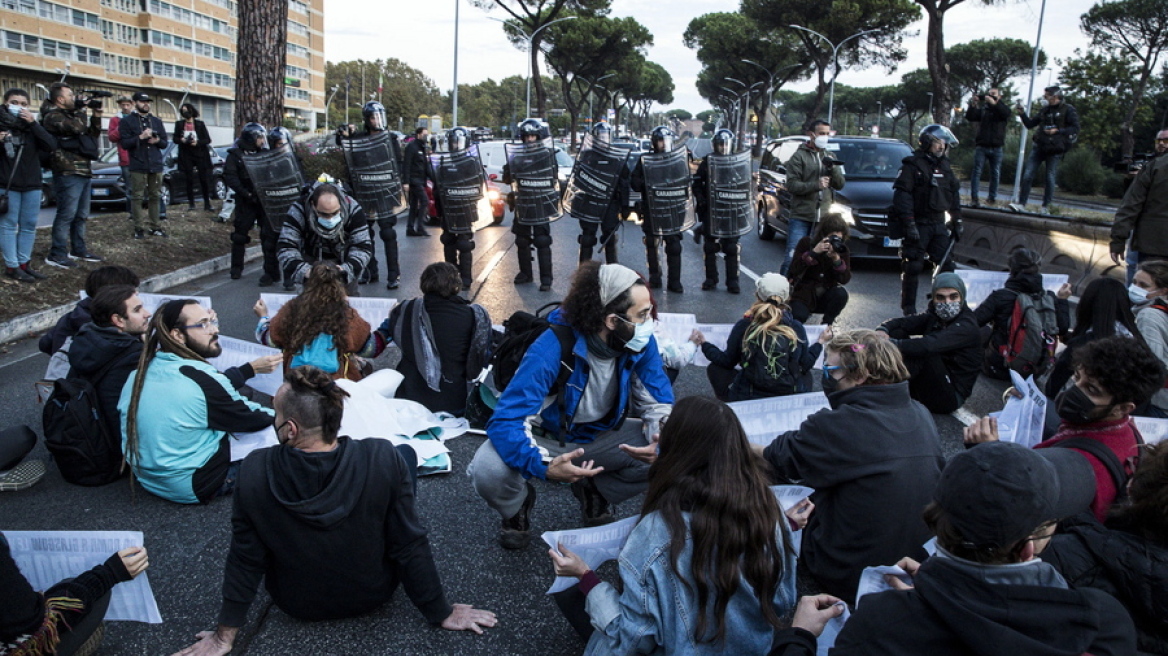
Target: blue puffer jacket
<point>532,384</point>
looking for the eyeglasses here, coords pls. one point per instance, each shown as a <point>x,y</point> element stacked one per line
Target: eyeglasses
<point>205,324</point>
<point>1162,140</point>
<point>642,317</point>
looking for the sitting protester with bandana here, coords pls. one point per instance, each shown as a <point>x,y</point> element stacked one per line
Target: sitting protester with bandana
<point>572,428</point>
<point>941,347</point>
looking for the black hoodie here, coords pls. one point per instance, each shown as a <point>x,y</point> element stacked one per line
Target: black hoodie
<point>962,609</point>
<point>999,307</point>
<point>347,533</point>
<point>95,347</point>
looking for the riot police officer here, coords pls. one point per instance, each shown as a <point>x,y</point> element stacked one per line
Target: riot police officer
<point>927,210</point>
<point>616,195</point>
<point>666,205</point>
<point>248,209</point>
<point>459,186</point>
<point>531,185</point>
<point>721,226</point>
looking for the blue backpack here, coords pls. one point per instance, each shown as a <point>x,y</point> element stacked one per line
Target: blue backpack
<point>321,353</point>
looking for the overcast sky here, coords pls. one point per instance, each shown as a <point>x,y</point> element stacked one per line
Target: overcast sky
<point>422,36</point>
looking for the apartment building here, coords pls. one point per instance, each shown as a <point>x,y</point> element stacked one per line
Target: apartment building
<point>176,50</point>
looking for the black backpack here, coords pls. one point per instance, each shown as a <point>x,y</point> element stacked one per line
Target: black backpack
<point>520,331</point>
<point>771,370</point>
<point>76,434</point>
<point>1121,472</point>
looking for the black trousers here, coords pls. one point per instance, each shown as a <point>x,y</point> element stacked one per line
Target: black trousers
<point>933,244</point>
<point>247,214</point>
<point>929,383</point>
<point>828,302</point>
<point>188,165</point>
<point>419,205</point>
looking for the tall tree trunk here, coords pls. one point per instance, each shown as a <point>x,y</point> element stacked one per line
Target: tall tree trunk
<point>537,82</point>
<point>259,68</point>
<point>1127,139</point>
<point>937,69</point>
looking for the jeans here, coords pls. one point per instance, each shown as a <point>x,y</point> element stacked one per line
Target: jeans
<point>796,229</point>
<point>145,200</point>
<point>18,227</point>
<point>980,155</point>
<point>1032,162</point>
<point>72,192</point>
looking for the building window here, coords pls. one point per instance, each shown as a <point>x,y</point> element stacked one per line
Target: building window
<point>120,33</point>
<point>297,28</point>
<point>295,94</point>
<point>298,50</point>
<point>298,6</point>
<point>163,69</point>
<point>49,48</point>
<point>60,13</point>
<point>129,6</point>
<point>189,17</point>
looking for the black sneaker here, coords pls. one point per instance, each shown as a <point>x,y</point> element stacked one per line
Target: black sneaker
<point>265,281</point>
<point>60,262</point>
<point>236,274</point>
<point>18,274</point>
<point>157,232</point>
<point>139,234</point>
<point>523,278</point>
<point>709,284</point>
<point>593,505</point>
<point>676,288</point>
<point>545,287</point>
<point>515,533</point>
<point>27,268</point>
<point>87,256</point>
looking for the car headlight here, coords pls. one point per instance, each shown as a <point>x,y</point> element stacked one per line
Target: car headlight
<point>844,211</point>
<point>493,194</point>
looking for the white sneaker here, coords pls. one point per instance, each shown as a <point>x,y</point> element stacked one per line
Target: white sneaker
<point>1044,210</point>
<point>1017,207</point>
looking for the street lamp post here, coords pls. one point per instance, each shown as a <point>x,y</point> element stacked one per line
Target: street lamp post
<point>770,82</point>
<point>592,93</point>
<point>930,105</point>
<point>1029,99</point>
<point>834,61</point>
<point>530,38</point>
<point>454,113</point>
<point>879,115</point>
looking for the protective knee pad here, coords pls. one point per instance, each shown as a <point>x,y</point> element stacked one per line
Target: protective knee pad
<point>730,246</point>
<point>912,267</point>
<point>673,245</point>
<point>543,241</point>
<point>587,240</point>
<point>238,238</point>
<point>522,241</point>
<point>710,246</point>
<point>387,231</point>
<point>465,245</point>
<point>448,238</point>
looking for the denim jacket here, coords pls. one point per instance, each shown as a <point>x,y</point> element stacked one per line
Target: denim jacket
<point>657,613</point>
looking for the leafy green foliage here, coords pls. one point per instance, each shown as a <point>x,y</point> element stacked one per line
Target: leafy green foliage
<point>981,64</point>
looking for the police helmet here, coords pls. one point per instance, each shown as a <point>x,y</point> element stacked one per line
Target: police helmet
<point>278,134</point>
<point>457,139</point>
<point>374,113</point>
<point>602,131</point>
<point>662,139</point>
<point>530,128</point>
<point>723,142</point>
<point>935,132</point>
<point>254,136</point>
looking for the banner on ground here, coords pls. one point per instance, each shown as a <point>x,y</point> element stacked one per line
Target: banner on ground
<point>764,419</point>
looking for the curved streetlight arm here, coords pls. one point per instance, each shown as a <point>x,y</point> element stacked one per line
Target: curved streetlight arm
<point>834,61</point>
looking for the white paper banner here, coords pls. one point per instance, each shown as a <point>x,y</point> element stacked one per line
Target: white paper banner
<point>980,284</point>
<point>372,309</point>
<point>813,334</point>
<point>1022,419</point>
<point>244,443</point>
<point>872,580</point>
<point>765,419</point>
<point>831,631</point>
<point>238,352</point>
<point>595,546</point>
<point>1153,430</point>
<point>47,557</point>
<point>678,328</point>
<point>790,496</point>
<point>717,334</point>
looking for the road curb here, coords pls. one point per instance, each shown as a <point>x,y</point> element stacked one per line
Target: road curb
<point>27,324</point>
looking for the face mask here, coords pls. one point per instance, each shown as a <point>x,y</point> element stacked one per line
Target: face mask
<point>329,224</point>
<point>821,142</point>
<point>1075,407</point>
<point>1137,294</point>
<point>1044,102</point>
<point>14,110</point>
<point>830,383</point>
<point>641,334</point>
<point>186,114</point>
<point>947,311</point>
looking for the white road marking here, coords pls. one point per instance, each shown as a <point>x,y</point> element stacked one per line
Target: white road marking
<point>494,262</point>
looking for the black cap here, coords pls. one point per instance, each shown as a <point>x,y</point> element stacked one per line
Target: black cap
<point>997,493</point>
<point>141,96</point>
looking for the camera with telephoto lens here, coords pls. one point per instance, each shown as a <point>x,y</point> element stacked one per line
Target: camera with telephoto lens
<point>1050,127</point>
<point>829,163</point>
<point>91,98</point>
<point>837,243</point>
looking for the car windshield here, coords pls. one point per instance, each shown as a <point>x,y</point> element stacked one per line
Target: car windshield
<point>870,159</point>
<point>564,159</point>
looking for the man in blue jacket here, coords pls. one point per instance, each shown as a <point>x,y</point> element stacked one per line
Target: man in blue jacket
<point>144,137</point>
<point>577,431</point>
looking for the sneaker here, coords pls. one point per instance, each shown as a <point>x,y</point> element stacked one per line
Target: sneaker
<point>158,232</point>
<point>16,273</point>
<point>515,533</point>
<point>975,204</point>
<point>60,262</point>
<point>393,284</point>
<point>991,202</point>
<point>236,274</point>
<point>1044,210</point>
<point>593,506</point>
<point>27,268</point>
<point>545,286</point>
<point>1016,207</point>
<point>289,286</point>
<point>138,234</point>
<point>23,476</point>
<point>87,256</point>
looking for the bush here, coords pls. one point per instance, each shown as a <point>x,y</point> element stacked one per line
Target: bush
<point>1081,172</point>
<point>332,163</point>
<point>1113,185</point>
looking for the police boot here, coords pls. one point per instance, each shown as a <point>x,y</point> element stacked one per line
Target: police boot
<point>610,253</point>
<point>654,264</point>
<point>673,263</point>
<point>524,254</point>
<point>732,270</point>
<point>466,268</point>
<point>710,250</point>
<point>545,268</point>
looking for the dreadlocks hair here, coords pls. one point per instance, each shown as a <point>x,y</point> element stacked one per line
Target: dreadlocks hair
<point>158,337</point>
<point>322,308</point>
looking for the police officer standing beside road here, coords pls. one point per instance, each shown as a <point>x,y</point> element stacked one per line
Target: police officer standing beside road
<point>248,210</point>
<point>417,171</point>
<point>617,195</point>
<point>991,116</point>
<point>716,228</point>
<point>927,194</point>
<point>1058,126</point>
<point>666,206</point>
<point>811,178</point>
<point>459,184</point>
<point>529,188</point>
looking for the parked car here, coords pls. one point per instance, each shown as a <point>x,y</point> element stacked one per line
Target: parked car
<point>109,191</point>
<point>495,195</point>
<point>494,155</point>
<point>864,201</point>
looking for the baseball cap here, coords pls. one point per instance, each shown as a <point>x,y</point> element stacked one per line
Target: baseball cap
<point>122,99</point>
<point>141,96</point>
<point>997,493</point>
<point>772,284</point>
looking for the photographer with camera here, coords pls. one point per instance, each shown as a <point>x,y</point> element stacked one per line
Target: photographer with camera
<point>24,142</point>
<point>1060,128</point>
<point>193,141</point>
<point>144,138</point>
<point>812,174</point>
<point>991,116</point>
<point>821,268</point>
<point>1144,210</point>
<point>66,119</point>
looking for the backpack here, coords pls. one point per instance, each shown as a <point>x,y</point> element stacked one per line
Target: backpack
<point>1030,340</point>
<point>772,369</point>
<point>321,353</point>
<point>77,436</point>
<point>1121,472</point>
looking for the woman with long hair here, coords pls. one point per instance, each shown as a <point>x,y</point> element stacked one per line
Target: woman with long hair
<point>193,141</point>
<point>1149,294</point>
<point>822,265</point>
<point>319,327</point>
<point>709,567</point>
<point>1104,310</point>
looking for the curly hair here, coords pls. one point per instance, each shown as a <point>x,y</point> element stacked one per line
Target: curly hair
<point>1127,369</point>
<point>1148,510</point>
<point>312,399</point>
<point>581,307</point>
<point>322,308</point>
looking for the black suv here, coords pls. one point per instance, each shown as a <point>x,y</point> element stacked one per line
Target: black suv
<point>871,165</point>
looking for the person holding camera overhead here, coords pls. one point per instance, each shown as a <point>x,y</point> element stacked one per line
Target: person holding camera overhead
<point>64,117</point>
<point>821,268</point>
<point>193,140</point>
<point>991,116</point>
<point>812,175</point>
<point>144,137</point>
<point>23,141</point>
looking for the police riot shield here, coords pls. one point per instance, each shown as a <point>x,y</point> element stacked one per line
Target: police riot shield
<point>533,177</point>
<point>462,189</point>
<point>589,191</point>
<point>668,201</point>
<point>731,195</point>
<point>373,174</point>
<point>276,176</point>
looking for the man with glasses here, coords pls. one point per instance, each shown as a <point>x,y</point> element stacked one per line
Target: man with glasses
<point>178,411</point>
<point>1144,210</point>
<point>327,225</point>
<point>563,416</point>
<point>991,116</point>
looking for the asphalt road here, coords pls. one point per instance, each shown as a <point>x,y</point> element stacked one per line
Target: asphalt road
<point>188,544</point>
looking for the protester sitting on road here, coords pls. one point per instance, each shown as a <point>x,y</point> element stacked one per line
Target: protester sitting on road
<point>998,308</point>
<point>708,569</point>
<point>941,347</point>
<point>68,325</point>
<point>66,618</point>
<point>766,353</point>
<point>1128,556</point>
<point>1113,376</point>
<point>321,494</point>
<point>445,341</point>
<point>984,592</point>
<point>821,267</point>
<point>873,460</point>
<point>605,321</point>
<point>320,328</point>
<point>1149,294</point>
<point>178,411</point>
<point>327,225</point>
<point>1104,310</point>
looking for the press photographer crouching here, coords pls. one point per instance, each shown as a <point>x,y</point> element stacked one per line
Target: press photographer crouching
<point>24,141</point>
<point>821,267</point>
<point>76,132</point>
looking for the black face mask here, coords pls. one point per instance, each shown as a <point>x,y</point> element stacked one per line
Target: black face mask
<point>1075,407</point>
<point>186,114</point>
<point>830,383</point>
<point>620,336</point>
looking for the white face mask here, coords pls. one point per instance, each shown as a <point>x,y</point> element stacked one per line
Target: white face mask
<point>641,334</point>
<point>1137,294</point>
<point>821,142</point>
